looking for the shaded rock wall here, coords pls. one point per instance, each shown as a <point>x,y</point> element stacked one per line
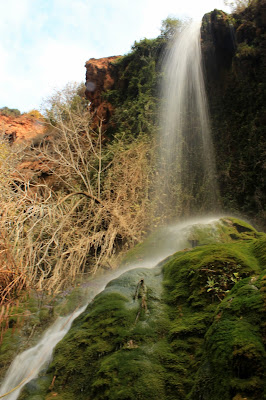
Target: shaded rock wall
<point>234,54</point>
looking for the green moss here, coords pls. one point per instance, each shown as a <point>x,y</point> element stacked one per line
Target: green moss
<point>25,319</point>
<point>208,272</point>
<point>192,343</point>
<point>226,229</point>
<point>125,348</point>
<point>259,250</point>
<point>234,352</point>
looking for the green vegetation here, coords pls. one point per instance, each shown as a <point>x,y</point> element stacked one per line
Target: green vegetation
<point>136,95</point>
<point>202,333</point>
<point>170,26</point>
<point>136,98</point>
<point>10,112</point>
<point>238,5</point>
<point>191,343</point>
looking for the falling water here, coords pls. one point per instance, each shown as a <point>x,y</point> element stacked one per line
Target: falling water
<point>27,365</point>
<point>187,184</point>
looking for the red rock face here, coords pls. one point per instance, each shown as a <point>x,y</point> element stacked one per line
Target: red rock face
<point>20,128</point>
<point>100,77</point>
<point>26,129</point>
<point>35,170</point>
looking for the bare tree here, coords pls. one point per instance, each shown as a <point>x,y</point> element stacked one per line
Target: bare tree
<point>94,205</point>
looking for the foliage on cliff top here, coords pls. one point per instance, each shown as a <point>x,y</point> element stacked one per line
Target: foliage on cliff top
<point>135,97</point>
<point>238,5</point>
<point>10,112</point>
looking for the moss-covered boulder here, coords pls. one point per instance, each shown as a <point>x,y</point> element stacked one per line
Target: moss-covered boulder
<point>193,329</point>
<point>216,294</point>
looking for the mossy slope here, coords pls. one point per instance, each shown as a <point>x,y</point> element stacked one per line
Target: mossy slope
<point>202,336</point>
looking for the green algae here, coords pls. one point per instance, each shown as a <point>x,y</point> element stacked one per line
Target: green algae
<point>192,343</point>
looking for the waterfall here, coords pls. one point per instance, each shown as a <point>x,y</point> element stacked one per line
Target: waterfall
<point>186,184</point>
<point>186,178</point>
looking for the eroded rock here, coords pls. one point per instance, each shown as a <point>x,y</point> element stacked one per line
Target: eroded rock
<point>100,77</point>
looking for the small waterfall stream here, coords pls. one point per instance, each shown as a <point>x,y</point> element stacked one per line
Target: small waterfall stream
<point>27,365</point>
<point>187,174</point>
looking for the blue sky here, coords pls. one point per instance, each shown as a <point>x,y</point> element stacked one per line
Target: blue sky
<point>45,43</point>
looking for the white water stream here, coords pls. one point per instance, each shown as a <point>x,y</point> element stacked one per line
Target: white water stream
<point>187,173</point>
<point>28,364</point>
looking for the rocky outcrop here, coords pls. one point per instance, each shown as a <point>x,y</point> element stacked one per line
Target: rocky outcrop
<point>100,77</point>
<point>29,131</point>
<point>218,42</point>
<point>21,128</point>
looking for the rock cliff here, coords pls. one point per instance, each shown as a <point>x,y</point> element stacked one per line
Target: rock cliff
<point>28,131</point>
<point>20,128</point>
<point>234,55</point>
<point>100,77</point>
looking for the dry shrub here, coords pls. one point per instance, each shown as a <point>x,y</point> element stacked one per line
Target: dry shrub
<point>96,205</point>
<point>126,189</point>
<point>13,277</point>
<point>13,280</point>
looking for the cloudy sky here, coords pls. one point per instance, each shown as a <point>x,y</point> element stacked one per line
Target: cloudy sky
<point>45,43</point>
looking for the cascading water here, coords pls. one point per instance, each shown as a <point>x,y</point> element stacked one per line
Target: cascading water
<point>27,365</point>
<point>187,183</point>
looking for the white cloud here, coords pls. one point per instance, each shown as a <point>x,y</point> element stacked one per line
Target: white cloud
<point>45,44</point>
